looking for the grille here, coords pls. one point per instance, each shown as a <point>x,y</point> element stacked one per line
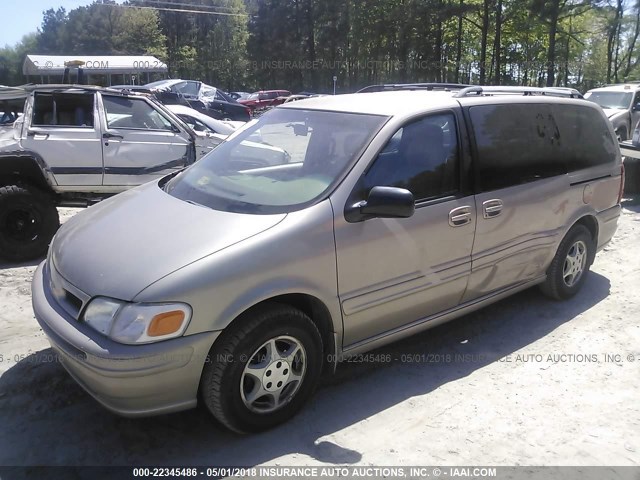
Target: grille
<point>67,296</point>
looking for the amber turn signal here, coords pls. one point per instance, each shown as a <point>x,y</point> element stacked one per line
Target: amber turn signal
<point>166,323</point>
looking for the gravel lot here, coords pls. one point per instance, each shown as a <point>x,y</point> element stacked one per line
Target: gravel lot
<point>526,381</point>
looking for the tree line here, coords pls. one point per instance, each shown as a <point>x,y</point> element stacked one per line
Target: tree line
<point>304,44</point>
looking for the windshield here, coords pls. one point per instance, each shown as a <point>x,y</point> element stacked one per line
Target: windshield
<point>619,100</point>
<point>286,160</point>
<point>161,83</point>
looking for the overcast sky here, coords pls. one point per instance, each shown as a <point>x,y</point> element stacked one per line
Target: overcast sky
<point>20,17</point>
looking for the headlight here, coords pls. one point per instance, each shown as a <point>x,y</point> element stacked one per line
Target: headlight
<point>100,314</point>
<point>137,322</point>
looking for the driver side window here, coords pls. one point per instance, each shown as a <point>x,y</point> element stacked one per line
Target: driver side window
<point>422,157</point>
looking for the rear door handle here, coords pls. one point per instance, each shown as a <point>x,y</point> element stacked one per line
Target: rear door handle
<point>492,208</point>
<point>460,216</point>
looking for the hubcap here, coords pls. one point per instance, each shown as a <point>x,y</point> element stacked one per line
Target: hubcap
<point>273,374</point>
<point>20,224</point>
<point>575,263</point>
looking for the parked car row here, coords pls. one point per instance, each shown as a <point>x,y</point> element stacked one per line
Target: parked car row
<point>197,95</point>
<point>265,98</point>
<point>213,101</point>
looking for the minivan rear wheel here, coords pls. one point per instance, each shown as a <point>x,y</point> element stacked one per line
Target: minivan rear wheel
<point>569,268</point>
<point>262,370</point>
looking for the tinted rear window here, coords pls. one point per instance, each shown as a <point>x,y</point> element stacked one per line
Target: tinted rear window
<point>520,143</point>
<point>589,141</point>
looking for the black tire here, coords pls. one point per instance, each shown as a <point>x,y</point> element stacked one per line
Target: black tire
<point>555,285</point>
<point>28,222</point>
<point>220,384</point>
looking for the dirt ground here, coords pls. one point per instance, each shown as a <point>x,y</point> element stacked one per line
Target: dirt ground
<point>527,381</point>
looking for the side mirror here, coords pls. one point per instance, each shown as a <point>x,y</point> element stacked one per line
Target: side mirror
<point>300,129</point>
<point>636,107</point>
<point>382,202</point>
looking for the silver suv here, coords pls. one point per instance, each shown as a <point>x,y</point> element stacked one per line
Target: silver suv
<point>76,145</point>
<point>621,104</point>
<point>235,285</point>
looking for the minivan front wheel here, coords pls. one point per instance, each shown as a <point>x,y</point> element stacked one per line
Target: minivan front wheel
<point>273,374</point>
<point>263,369</point>
<point>570,266</point>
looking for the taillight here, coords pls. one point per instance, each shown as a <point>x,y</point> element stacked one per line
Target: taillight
<point>621,192</point>
<point>248,110</point>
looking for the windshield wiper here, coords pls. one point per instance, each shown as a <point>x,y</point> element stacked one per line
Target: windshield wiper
<point>196,204</point>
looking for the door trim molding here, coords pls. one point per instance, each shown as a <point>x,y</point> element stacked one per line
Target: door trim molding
<point>436,319</point>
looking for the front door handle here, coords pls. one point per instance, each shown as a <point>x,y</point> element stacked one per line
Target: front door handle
<point>40,134</point>
<point>460,216</point>
<point>108,135</point>
<point>492,208</point>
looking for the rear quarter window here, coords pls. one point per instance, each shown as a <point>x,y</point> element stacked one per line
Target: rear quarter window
<point>63,110</point>
<point>588,140</point>
<point>521,143</point>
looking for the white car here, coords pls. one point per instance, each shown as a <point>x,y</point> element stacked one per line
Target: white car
<point>212,132</point>
<point>195,119</point>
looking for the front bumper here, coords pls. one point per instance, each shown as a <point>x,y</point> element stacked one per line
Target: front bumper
<point>130,380</point>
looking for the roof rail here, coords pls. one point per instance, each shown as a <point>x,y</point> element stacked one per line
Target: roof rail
<point>620,84</point>
<point>387,87</point>
<point>59,86</point>
<point>526,91</point>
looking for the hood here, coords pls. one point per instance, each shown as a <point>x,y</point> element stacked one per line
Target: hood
<point>122,245</point>
<point>235,124</point>
<point>612,112</point>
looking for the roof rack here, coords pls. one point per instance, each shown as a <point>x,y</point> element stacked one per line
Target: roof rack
<point>387,87</point>
<point>62,87</point>
<point>526,91</point>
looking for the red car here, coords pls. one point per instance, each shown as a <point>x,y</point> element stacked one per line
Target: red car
<point>265,98</point>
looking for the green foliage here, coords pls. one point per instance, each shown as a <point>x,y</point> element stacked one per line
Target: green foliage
<point>11,59</point>
<point>138,32</point>
<point>303,44</point>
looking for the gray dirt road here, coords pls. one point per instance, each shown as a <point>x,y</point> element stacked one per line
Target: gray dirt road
<point>527,381</point>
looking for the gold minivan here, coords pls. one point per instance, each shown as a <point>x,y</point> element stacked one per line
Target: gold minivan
<point>235,282</point>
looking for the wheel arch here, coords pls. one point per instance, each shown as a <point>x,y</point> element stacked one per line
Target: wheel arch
<point>25,168</point>
<point>591,224</point>
<point>311,306</point>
